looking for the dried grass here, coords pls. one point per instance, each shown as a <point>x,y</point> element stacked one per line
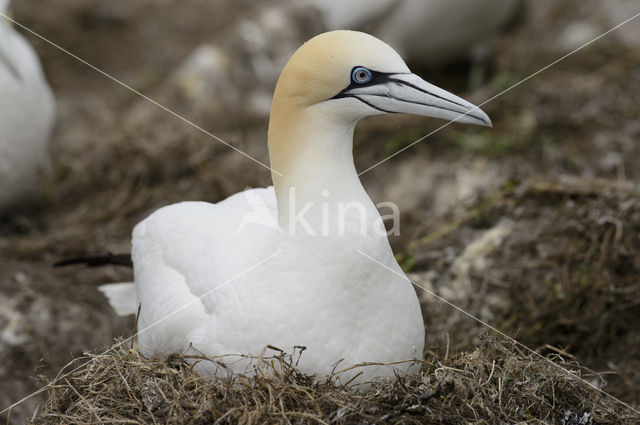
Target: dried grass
<point>495,383</point>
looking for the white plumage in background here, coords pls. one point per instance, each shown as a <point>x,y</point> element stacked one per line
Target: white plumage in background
<point>27,112</point>
<point>428,32</point>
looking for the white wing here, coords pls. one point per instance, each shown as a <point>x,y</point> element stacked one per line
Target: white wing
<point>182,252</point>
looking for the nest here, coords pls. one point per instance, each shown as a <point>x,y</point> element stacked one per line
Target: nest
<point>495,383</point>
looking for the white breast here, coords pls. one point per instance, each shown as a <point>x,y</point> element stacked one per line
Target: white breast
<point>26,116</point>
<point>316,292</point>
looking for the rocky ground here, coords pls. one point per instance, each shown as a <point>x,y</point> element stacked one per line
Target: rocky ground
<point>532,226</point>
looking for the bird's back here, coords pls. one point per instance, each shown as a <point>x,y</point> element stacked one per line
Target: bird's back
<point>246,284</point>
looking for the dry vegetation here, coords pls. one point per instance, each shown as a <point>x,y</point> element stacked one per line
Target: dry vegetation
<point>554,216</point>
<point>561,275</point>
<point>493,383</point>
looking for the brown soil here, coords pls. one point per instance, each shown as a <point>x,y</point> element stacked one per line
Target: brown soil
<point>549,198</point>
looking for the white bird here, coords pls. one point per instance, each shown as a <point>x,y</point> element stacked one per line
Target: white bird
<point>27,112</point>
<point>429,32</point>
<point>303,281</point>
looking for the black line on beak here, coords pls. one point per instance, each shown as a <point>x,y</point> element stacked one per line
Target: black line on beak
<point>376,78</point>
<point>367,103</point>
<point>467,113</point>
<point>413,86</point>
<point>387,77</point>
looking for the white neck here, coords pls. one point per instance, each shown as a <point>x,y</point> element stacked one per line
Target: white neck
<point>311,149</point>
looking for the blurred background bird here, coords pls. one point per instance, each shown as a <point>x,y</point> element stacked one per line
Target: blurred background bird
<point>27,112</point>
<point>426,32</point>
<point>465,193</point>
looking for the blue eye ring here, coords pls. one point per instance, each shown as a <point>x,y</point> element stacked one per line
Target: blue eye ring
<point>361,75</point>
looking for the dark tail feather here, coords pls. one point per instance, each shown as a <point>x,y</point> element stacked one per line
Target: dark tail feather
<point>98,261</point>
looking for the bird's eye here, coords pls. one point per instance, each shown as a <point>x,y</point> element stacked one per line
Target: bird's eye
<point>361,75</point>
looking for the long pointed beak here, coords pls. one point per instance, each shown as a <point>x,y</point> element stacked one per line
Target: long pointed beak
<point>407,93</point>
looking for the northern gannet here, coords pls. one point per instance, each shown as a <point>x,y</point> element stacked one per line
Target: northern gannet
<point>26,114</point>
<point>428,31</point>
<point>284,265</point>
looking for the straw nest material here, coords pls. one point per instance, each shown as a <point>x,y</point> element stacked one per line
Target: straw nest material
<point>495,383</point>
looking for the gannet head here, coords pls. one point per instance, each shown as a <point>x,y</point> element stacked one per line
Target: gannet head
<point>359,75</point>
<point>328,85</point>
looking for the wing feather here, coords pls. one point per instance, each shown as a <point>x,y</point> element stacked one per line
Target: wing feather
<point>182,252</point>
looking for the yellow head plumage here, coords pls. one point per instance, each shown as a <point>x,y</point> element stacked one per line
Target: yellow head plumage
<point>322,66</point>
<point>331,82</point>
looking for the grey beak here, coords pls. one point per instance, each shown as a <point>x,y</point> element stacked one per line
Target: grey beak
<point>410,94</point>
